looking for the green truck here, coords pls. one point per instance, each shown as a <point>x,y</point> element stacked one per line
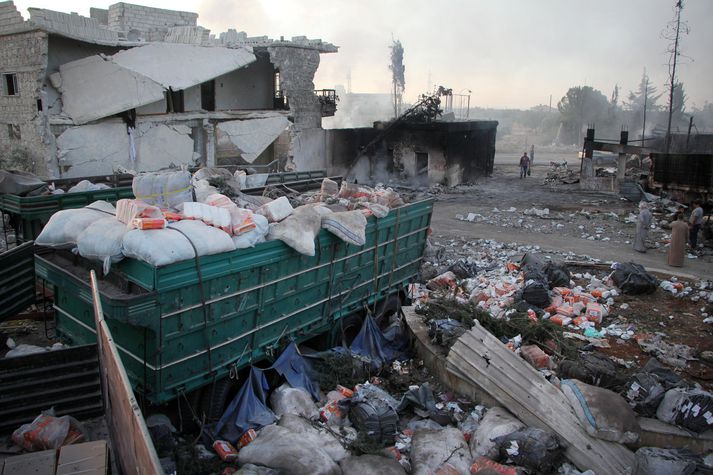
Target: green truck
<point>187,325</point>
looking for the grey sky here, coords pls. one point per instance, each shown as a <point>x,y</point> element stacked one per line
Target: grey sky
<point>510,53</point>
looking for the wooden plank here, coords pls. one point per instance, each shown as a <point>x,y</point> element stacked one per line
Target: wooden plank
<point>483,360</point>
<point>656,433</point>
<point>130,436</point>
<point>36,463</point>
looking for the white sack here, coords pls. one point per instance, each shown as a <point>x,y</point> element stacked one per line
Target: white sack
<point>65,226</point>
<point>349,226</point>
<point>163,189</point>
<point>160,247</point>
<point>276,210</point>
<point>289,400</point>
<point>496,423</point>
<point>430,449</point>
<point>298,230</point>
<point>103,241</point>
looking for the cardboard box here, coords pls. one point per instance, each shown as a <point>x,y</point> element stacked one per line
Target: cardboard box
<point>34,463</point>
<point>89,458</point>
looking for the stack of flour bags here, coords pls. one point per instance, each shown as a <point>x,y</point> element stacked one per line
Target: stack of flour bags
<point>164,224</point>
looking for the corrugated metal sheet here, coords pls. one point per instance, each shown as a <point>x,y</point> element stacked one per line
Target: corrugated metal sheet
<point>17,279</point>
<point>67,380</point>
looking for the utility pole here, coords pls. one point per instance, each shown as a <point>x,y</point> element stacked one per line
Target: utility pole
<point>646,100</point>
<point>679,7</point>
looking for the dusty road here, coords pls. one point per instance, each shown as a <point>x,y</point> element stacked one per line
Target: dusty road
<point>505,189</point>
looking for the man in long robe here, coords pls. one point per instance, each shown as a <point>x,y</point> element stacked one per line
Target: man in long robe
<point>642,227</point>
<point>679,236</point>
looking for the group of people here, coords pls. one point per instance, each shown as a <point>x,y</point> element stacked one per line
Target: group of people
<point>683,232</point>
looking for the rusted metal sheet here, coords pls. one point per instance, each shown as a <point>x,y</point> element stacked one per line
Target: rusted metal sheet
<point>692,172</point>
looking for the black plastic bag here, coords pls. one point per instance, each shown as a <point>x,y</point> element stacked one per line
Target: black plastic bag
<point>633,279</point>
<point>645,390</point>
<point>557,274</point>
<point>536,293</point>
<point>445,332</point>
<point>532,448</point>
<point>464,269</point>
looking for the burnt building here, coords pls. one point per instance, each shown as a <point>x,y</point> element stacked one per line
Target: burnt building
<point>438,152</point>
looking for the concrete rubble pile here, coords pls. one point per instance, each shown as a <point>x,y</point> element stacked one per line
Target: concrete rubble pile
<point>560,173</point>
<point>165,224</point>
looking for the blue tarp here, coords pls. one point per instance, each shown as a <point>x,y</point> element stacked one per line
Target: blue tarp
<point>371,343</point>
<point>296,370</point>
<point>247,411</point>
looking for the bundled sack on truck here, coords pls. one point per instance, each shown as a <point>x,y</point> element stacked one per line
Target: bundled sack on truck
<point>163,189</point>
<point>175,243</point>
<point>64,227</point>
<point>349,226</point>
<point>103,241</point>
<point>254,236</point>
<point>299,229</point>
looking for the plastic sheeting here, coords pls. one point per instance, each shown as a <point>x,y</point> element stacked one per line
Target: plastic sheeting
<point>248,410</point>
<point>372,344</point>
<point>296,370</point>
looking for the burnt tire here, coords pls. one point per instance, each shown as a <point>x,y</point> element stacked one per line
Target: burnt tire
<point>346,329</point>
<point>216,398</point>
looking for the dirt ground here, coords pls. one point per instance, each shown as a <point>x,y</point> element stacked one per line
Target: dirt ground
<point>569,208</point>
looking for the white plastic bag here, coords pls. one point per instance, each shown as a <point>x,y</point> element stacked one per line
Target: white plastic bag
<point>103,241</point>
<point>163,189</point>
<point>128,210</point>
<point>255,236</point>
<point>276,210</point>
<point>160,247</point>
<point>211,215</point>
<point>65,226</point>
<point>86,185</point>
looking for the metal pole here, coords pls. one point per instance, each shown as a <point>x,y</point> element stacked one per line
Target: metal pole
<point>646,99</point>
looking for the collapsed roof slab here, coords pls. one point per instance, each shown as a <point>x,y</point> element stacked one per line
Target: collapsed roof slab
<point>180,66</point>
<point>93,88</point>
<point>100,86</point>
<point>249,138</point>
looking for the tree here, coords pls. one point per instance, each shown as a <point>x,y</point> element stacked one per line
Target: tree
<point>642,102</point>
<point>398,77</point>
<point>678,106</point>
<point>580,106</point>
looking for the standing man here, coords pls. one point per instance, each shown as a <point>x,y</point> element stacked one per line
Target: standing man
<point>679,235</point>
<point>694,224</point>
<point>524,165</point>
<point>642,227</point>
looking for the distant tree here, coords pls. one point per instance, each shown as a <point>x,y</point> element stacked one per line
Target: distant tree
<point>678,107</point>
<point>642,103</point>
<point>581,105</point>
<point>614,101</point>
<point>398,78</point>
<point>704,118</point>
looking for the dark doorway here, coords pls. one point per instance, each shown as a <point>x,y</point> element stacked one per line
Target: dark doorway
<point>208,95</point>
<point>421,163</point>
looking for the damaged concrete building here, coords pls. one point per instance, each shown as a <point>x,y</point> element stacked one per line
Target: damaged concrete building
<point>441,152</point>
<point>140,88</point>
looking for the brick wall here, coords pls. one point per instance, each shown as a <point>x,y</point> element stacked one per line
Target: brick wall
<point>125,17</point>
<point>25,55</point>
<point>9,16</point>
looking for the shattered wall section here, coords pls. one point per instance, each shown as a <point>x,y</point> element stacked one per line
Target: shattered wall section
<point>247,139</point>
<point>99,149</point>
<point>297,68</point>
<point>23,129</point>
